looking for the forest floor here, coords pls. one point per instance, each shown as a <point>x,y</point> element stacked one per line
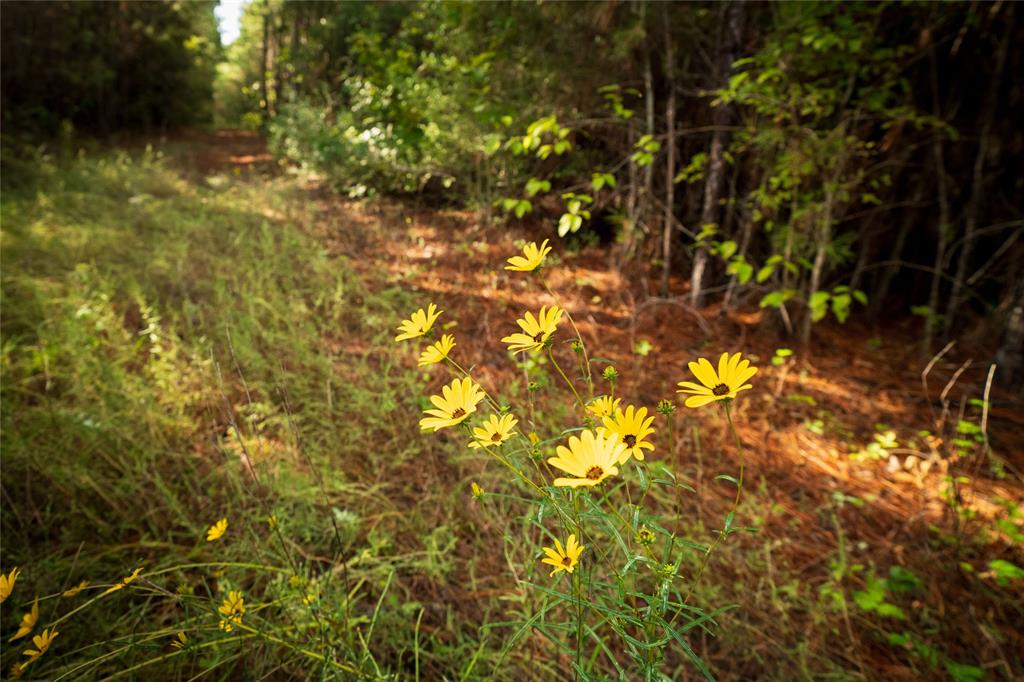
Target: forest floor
<point>853,418</point>
<point>848,439</point>
<point>871,482</point>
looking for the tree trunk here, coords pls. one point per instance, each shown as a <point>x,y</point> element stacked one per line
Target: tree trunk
<point>716,162</point>
<point>1010,356</point>
<point>265,66</point>
<point>670,158</point>
<point>818,269</point>
<point>881,290</point>
<point>977,181</point>
<point>746,231</point>
<point>648,192</point>
<point>931,321</point>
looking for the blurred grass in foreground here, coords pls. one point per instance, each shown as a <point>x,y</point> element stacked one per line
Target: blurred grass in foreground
<point>166,364</point>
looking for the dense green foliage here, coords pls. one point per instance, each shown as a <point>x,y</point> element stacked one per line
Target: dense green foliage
<point>107,66</point>
<point>782,154</point>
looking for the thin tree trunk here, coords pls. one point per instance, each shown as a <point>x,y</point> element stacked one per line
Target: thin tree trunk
<point>977,180</point>
<point>818,269</point>
<point>716,161</point>
<point>881,291</point>
<point>746,230</point>
<point>624,255</point>
<point>1010,356</point>
<point>670,158</point>
<point>649,119</point>
<point>265,66</point>
<point>931,321</point>
<point>862,260</point>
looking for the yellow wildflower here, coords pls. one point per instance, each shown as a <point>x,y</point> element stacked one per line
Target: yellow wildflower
<point>28,621</point>
<point>42,641</point>
<point>217,530</point>
<point>456,402</point>
<point>438,351</point>
<point>589,459</point>
<point>7,583</point>
<point>604,406</point>
<point>232,609</point>
<point>272,522</point>
<point>76,589</point>
<point>495,431</point>
<point>124,581</point>
<point>536,330</point>
<point>563,559</point>
<point>476,490</point>
<point>531,259</point>
<point>419,323</point>
<point>631,427</point>
<point>731,378</point>
<point>180,641</point>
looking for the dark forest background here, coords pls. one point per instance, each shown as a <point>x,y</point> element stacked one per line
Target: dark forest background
<point>819,159</point>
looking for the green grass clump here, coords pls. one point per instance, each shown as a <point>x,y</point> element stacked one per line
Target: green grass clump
<point>174,354</point>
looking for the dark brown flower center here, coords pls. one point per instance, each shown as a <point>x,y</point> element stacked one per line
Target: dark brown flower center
<point>538,337</point>
<point>496,436</point>
<point>720,389</point>
<point>629,440</point>
<point>566,561</point>
<point>459,412</point>
<point>594,473</point>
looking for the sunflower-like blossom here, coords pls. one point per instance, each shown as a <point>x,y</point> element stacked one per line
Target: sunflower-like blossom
<point>42,641</point>
<point>531,259</point>
<point>419,323</point>
<point>536,330</point>
<point>125,581</point>
<point>731,378</point>
<point>437,351</point>
<point>76,589</point>
<point>563,558</point>
<point>180,641</point>
<point>217,530</point>
<point>231,609</point>
<point>28,621</point>
<point>604,406</point>
<point>7,583</point>
<point>631,427</point>
<point>457,401</point>
<point>495,431</point>
<point>589,459</point>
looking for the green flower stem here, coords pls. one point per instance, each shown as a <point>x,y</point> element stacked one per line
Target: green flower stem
<point>735,505</point>
<point>586,358</point>
<point>526,479</point>
<point>578,584</point>
<point>568,383</point>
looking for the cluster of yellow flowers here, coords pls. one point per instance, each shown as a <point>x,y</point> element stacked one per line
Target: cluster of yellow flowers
<point>41,641</point>
<point>595,454</point>
<point>231,610</point>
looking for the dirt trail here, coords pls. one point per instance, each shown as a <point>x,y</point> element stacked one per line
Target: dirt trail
<point>800,425</point>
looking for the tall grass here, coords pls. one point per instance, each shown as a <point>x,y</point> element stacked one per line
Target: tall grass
<point>174,354</point>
